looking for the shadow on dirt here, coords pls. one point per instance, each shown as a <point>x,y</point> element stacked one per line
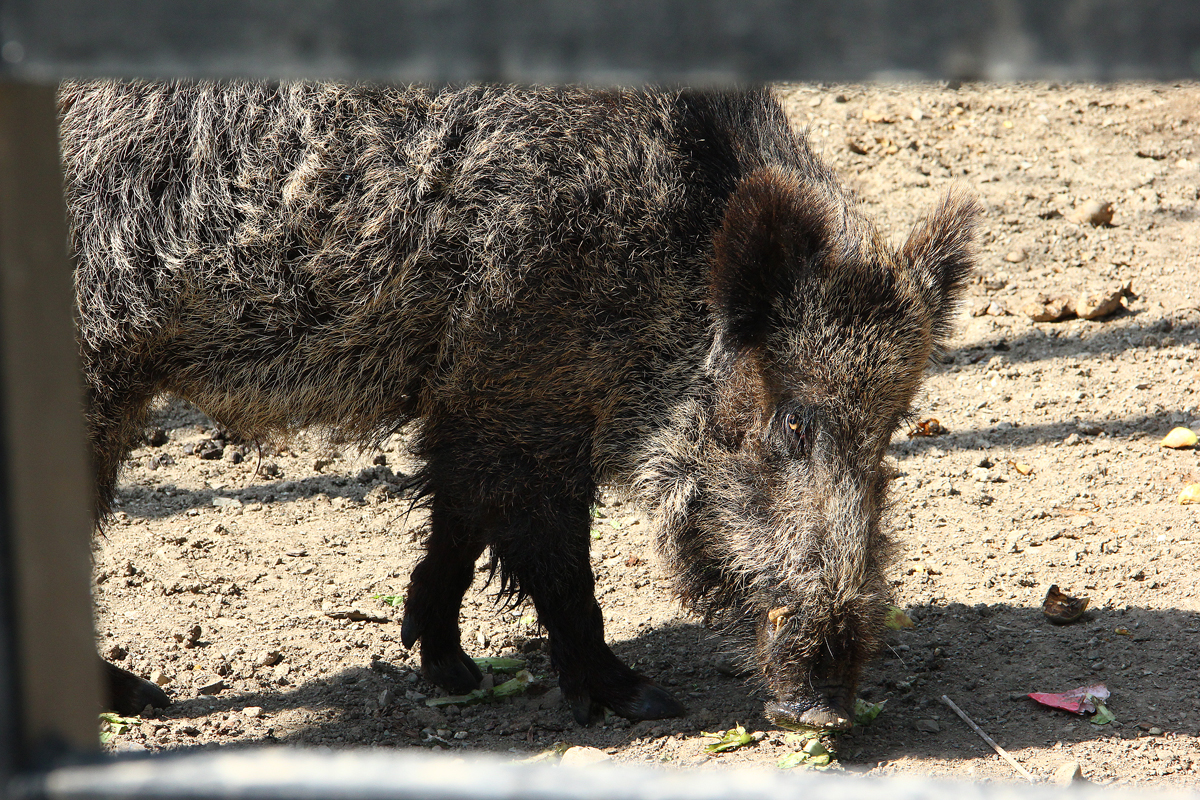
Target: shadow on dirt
<point>167,500</point>
<point>1006,435</point>
<point>384,704</point>
<point>987,658</point>
<point>984,657</point>
<point>1117,334</point>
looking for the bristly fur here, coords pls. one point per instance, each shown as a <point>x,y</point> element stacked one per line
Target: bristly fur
<point>556,287</point>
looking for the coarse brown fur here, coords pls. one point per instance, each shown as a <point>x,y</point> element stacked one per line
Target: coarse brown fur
<point>561,287</point>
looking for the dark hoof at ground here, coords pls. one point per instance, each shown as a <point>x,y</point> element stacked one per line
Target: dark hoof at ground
<point>648,701</point>
<point>584,710</point>
<point>815,715</point>
<point>409,632</point>
<point>128,695</point>
<point>457,674</point>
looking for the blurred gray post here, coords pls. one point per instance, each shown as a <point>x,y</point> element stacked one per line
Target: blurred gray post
<point>45,521</point>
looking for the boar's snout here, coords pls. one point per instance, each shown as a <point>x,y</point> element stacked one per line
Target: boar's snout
<point>812,665</point>
<point>815,704</point>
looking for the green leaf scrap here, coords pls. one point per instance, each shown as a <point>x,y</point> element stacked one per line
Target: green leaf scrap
<point>896,619</point>
<point>865,713</point>
<point>516,685</point>
<point>114,725</point>
<point>1102,716</point>
<point>812,754</point>
<point>728,740</point>
<point>393,600</point>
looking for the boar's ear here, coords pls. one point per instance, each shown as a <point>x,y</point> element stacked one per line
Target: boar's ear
<point>774,226</point>
<point>939,255</point>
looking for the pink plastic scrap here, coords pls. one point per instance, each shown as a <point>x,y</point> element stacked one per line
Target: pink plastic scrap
<point>1077,701</point>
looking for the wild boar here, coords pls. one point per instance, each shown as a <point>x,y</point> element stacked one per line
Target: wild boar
<point>556,288</point>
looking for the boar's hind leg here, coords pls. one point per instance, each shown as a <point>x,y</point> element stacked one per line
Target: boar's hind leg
<point>115,419</point>
<point>434,596</point>
<point>116,411</point>
<point>545,551</point>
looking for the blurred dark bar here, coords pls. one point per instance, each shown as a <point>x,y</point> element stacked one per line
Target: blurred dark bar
<point>614,42</point>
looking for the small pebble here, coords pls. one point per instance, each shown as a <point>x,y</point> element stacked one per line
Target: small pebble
<point>551,699</point>
<point>268,658</point>
<point>927,725</point>
<point>189,638</point>
<point>1095,305</point>
<point>159,678</point>
<point>1016,256</point>
<point>253,712</point>
<point>1048,309</point>
<point>210,450</point>
<point>1092,212</point>
<point>210,685</point>
<point>1179,438</point>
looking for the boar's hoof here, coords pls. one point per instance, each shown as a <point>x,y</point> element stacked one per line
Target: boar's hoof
<point>650,701</point>
<point>128,694</point>
<point>584,710</point>
<point>647,701</point>
<point>456,673</point>
<point>813,715</point>
<point>445,666</point>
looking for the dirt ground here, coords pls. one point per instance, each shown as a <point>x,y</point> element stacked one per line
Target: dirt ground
<point>270,583</point>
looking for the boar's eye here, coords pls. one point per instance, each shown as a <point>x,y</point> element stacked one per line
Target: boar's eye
<point>797,429</point>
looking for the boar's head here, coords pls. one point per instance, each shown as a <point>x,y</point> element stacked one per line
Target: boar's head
<point>769,484</point>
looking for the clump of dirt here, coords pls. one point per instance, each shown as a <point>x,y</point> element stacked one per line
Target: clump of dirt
<point>258,587</point>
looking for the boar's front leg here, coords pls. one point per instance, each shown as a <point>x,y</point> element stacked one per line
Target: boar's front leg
<point>543,549</point>
<point>435,596</point>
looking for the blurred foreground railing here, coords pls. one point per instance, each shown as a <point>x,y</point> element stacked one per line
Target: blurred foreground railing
<point>375,774</point>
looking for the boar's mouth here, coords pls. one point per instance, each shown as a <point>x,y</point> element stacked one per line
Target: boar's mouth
<point>813,691</point>
<point>817,703</point>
